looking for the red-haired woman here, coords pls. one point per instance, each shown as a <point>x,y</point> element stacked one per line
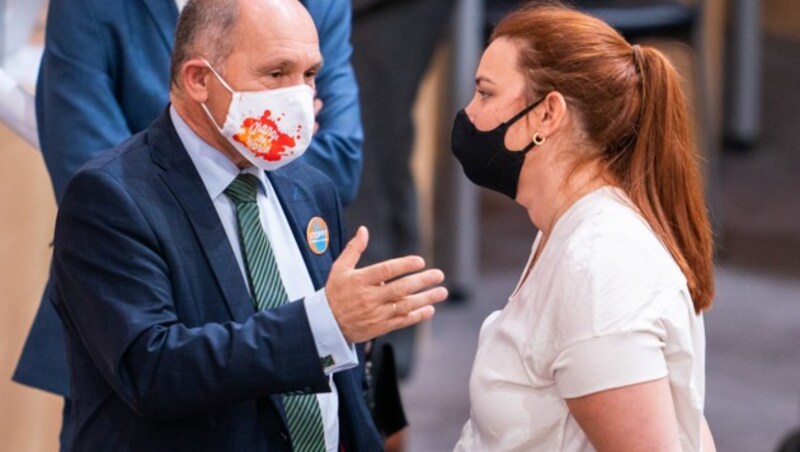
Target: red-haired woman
<point>601,345</point>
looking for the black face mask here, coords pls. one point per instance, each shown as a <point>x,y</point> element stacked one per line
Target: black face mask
<point>484,156</point>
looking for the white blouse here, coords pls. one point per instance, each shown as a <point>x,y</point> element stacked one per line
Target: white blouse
<point>604,306</point>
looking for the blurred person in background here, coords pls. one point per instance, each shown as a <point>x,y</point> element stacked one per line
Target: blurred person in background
<point>602,344</point>
<point>393,45</point>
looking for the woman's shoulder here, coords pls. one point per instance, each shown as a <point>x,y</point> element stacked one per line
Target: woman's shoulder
<point>603,234</point>
<point>610,268</point>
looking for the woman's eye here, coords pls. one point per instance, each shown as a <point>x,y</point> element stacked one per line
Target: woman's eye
<point>276,74</point>
<point>482,94</point>
<point>311,74</point>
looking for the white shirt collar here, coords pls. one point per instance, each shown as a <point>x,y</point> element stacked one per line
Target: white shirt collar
<point>180,4</point>
<point>216,170</point>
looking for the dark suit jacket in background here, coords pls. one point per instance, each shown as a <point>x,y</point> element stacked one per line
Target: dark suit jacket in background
<point>105,76</point>
<point>166,350</point>
<point>393,42</point>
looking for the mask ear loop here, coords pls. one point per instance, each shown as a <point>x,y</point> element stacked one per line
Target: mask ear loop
<point>519,116</point>
<point>524,112</point>
<point>536,140</point>
<point>224,85</point>
<point>213,121</point>
<point>219,77</point>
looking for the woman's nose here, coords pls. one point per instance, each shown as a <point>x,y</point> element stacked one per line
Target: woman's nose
<point>470,111</point>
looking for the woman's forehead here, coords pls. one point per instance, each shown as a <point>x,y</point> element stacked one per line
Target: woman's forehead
<point>499,65</point>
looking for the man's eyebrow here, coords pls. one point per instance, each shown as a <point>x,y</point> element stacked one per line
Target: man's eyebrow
<point>288,65</point>
<point>317,66</point>
<point>283,65</point>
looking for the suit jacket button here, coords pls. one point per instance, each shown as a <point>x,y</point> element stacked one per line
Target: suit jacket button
<point>284,437</point>
<point>307,390</point>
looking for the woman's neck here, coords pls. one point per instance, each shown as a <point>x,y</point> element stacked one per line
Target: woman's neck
<point>565,203</point>
<point>546,210</point>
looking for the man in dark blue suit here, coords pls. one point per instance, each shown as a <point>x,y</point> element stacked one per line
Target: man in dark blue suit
<point>105,76</point>
<point>161,291</point>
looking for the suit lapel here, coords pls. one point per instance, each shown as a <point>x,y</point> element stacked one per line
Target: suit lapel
<point>165,15</point>
<point>185,184</point>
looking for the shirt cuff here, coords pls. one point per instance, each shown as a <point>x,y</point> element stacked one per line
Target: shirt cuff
<point>334,351</point>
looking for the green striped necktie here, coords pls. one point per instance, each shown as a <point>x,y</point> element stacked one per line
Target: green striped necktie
<point>302,411</point>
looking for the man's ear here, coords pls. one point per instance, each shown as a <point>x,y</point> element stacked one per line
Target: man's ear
<point>554,115</point>
<point>195,78</point>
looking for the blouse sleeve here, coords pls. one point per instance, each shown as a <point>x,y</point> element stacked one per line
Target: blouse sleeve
<point>607,362</point>
<point>615,282</point>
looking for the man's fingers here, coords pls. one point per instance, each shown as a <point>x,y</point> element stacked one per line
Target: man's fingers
<point>391,269</point>
<point>412,318</point>
<point>415,302</point>
<point>351,254</point>
<point>410,284</point>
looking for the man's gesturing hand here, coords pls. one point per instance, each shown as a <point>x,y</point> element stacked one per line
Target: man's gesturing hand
<point>371,301</point>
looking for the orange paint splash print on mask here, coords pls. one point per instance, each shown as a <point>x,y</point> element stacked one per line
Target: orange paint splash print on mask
<point>264,139</point>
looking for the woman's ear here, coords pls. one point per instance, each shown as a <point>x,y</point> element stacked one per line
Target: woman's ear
<point>194,76</point>
<point>554,114</point>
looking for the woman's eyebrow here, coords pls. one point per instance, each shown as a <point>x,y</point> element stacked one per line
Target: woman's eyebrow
<point>483,78</point>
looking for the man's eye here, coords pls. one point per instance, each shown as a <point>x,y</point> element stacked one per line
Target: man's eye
<point>311,74</point>
<point>482,94</point>
<point>276,74</point>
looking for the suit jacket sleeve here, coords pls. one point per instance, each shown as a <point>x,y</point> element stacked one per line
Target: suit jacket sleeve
<point>336,148</point>
<point>115,297</point>
<point>76,110</point>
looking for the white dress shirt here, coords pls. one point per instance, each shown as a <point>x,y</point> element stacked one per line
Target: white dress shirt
<point>180,4</point>
<point>217,172</point>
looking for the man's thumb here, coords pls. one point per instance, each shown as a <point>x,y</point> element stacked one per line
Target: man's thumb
<point>355,247</point>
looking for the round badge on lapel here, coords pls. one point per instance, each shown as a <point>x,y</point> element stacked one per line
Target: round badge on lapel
<point>317,235</point>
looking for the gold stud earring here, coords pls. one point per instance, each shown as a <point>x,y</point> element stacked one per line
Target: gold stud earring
<point>538,140</point>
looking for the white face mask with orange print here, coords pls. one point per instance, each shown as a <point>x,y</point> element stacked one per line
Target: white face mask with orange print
<point>269,128</point>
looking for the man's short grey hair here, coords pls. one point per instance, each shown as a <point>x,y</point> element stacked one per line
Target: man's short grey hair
<point>205,30</point>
